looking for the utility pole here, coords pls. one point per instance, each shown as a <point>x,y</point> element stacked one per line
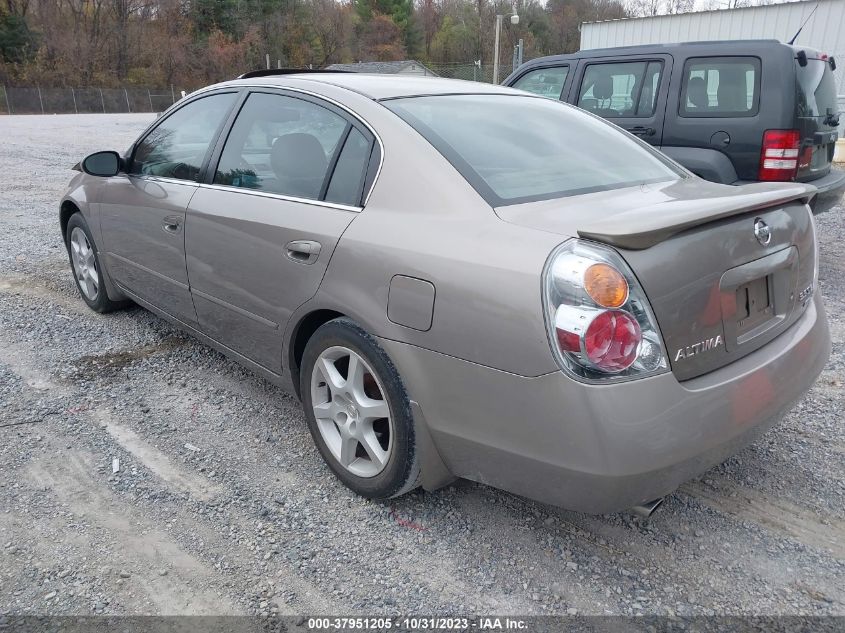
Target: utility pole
<point>499,18</point>
<point>517,55</point>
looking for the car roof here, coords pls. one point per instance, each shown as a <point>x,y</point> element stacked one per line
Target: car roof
<point>683,49</point>
<point>380,87</point>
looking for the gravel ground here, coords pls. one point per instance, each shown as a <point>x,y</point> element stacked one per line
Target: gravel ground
<point>223,506</point>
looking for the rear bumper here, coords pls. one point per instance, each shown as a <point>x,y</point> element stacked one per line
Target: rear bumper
<point>833,183</point>
<point>830,190</point>
<point>605,448</point>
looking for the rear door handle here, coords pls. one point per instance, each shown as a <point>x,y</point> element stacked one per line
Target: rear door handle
<point>640,130</point>
<point>172,223</point>
<point>303,251</point>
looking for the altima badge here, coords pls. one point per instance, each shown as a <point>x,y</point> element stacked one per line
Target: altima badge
<point>697,348</point>
<point>762,232</point>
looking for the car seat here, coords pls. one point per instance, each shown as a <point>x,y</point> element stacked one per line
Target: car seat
<point>697,93</point>
<point>603,91</point>
<point>299,163</point>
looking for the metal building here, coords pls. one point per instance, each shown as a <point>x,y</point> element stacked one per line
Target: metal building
<point>824,31</point>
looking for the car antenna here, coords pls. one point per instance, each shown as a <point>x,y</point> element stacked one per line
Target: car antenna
<point>795,37</point>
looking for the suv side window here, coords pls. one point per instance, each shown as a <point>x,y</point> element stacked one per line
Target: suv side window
<point>546,82</point>
<point>176,148</point>
<point>720,87</point>
<point>284,145</point>
<point>620,89</point>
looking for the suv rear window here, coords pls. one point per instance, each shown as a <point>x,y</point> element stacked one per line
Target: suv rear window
<point>515,149</point>
<point>816,88</point>
<point>721,87</point>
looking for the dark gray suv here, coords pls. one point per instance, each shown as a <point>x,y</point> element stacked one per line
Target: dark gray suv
<point>729,111</point>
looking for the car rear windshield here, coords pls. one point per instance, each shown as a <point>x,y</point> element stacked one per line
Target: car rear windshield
<point>816,88</point>
<point>515,149</point>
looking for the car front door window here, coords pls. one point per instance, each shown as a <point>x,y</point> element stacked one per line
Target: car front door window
<point>177,147</point>
<point>546,82</point>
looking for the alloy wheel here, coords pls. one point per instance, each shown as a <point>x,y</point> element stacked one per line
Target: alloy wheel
<point>352,414</point>
<point>84,264</point>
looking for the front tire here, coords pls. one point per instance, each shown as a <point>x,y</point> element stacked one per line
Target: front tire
<point>86,266</point>
<point>358,411</point>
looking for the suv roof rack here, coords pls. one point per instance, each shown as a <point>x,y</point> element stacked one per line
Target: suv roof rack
<point>270,72</point>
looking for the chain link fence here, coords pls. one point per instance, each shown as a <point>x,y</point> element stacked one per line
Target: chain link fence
<point>470,72</point>
<point>37,100</point>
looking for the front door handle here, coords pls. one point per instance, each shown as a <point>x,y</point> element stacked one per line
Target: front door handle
<point>303,251</point>
<point>172,223</point>
<point>641,130</point>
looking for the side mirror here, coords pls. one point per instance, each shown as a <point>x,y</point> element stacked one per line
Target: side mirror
<point>103,164</point>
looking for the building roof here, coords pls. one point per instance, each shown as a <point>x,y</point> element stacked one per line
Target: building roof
<point>722,10</point>
<point>381,68</point>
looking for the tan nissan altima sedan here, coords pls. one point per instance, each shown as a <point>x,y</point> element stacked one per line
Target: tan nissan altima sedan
<point>462,280</point>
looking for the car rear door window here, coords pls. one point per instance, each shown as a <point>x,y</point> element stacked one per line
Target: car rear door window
<point>176,148</point>
<point>546,82</point>
<point>720,87</point>
<point>620,89</point>
<point>282,145</point>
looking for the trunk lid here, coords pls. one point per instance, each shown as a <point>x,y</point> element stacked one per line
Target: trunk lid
<point>717,290</point>
<point>817,115</point>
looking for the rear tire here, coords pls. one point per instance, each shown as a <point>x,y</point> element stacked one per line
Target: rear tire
<point>358,411</point>
<point>86,266</point>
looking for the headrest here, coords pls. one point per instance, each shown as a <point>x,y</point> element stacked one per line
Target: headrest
<point>603,87</point>
<point>697,92</point>
<point>298,155</point>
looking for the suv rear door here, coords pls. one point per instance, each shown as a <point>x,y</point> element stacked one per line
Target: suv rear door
<point>715,106</point>
<point>817,116</point>
<point>629,91</point>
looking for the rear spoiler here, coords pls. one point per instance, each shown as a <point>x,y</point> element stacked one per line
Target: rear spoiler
<point>642,227</point>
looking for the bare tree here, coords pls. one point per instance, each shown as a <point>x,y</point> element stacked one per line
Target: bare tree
<point>331,22</point>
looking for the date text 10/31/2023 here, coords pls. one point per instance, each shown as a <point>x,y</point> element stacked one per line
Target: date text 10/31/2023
<point>412,623</point>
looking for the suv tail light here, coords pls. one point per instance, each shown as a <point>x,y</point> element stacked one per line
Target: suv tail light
<point>779,156</point>
<point>599,322</point>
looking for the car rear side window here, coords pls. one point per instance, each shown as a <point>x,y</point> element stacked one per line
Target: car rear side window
<point>176,147</point>
<point>620,89</point>
<point>282,145</point>
<point>515,149</point>
<point>720,87</point>
<point>545,82</point>
<point>348,177</point>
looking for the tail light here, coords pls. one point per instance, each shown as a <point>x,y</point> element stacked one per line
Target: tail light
<point>779,156</point>
<point>598,318</point>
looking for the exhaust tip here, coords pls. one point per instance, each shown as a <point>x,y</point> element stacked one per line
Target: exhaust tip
<point>645,510</point>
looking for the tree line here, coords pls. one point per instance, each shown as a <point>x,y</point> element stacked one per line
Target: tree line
<point>189,43</point>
